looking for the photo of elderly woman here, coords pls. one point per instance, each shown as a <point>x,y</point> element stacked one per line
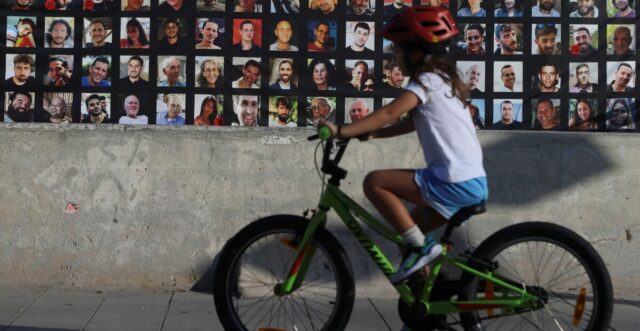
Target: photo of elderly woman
<point>209,71</point>
<point>322,73</point>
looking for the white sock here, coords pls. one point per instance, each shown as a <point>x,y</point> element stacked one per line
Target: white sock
<point>413,236</point>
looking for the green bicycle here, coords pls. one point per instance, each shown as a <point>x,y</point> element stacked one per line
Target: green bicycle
<point>287,272</point>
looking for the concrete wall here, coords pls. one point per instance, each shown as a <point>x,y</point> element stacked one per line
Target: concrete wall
<point>155,204</point>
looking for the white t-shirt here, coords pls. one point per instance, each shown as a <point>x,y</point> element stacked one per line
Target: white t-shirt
<point>142,119</point>
<point>446,132</point>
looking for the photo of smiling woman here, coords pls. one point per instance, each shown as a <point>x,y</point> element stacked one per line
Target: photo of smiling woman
<point>583,115</point>
<point>134,33</point>
<point>209,71</point>
<point>322,73</point>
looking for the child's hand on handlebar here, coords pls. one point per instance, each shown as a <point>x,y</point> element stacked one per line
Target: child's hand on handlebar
<point>333,127</point>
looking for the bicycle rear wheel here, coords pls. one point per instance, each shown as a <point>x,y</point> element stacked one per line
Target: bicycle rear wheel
<point>259,257</point>
<point>552,262</point>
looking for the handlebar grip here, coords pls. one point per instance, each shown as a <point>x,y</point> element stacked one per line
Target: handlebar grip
<point>314,137</point>
<point>324,133</point>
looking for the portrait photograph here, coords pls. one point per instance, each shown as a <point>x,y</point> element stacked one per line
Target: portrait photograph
<point>477,112</point>
<point>59,70</point>
<point>583,40</point>
<point>360,7</point>
<point>360,38</point>
<point>210,5</point>
<point>392,75</point>
<point>508,8</point>
<point>507,76</point>
<point>323,7</point>
<point>96,71</point>
<point>583,114</point>
<point>20,31</point>
<point>545,114</point>
<point>172,71</point>
<point>246,72</point>
<point>471,39</point>
<point>621,76</point>
<point>471,8</point>
<point>621,39</point>
<point>134,32</point>
<point>172,7</point>
<point>209,71</point>
<point>172,34</point>
<point>284,6</point>
<point>95,108</point>
<point>209,33</point>
<point>247,35</point>
<point>321,35</point>
<point>584,9</point>
<point>171,109</point>
<point>620,114</point>
<point>435,3</point>
<point>583,77</point>
<point>393,7</point>
<point>359,75</point>
<point>474,74</point>
<point>387,46</point>
<point>57,107</point>
<point>356,109</point>
<point>58,32</point>
<point>135,5</point>
<point>322,74</point>
<point>320,108</point>
<point>546,8</point>
<point>21,4</point>
<point>508,39</point>
<point>208,110</point>
<point>283,74</point>
<point>20,71</point>
<point>97,32</point>
<point>507,114</point>
<point>101,6</point>
<point>246,108</point>
<point>133,109</point>
<point>284,37</point>
<point>283,111</point>
<point>19,107</point>
<point>62,5</point>
<point>545,78</point>
<point>124,69</point>
<point>623,9</point>
<point>546,39</point>
<point>248,6</point>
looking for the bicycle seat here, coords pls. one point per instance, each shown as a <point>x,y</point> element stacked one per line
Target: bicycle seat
<point>465,212</point>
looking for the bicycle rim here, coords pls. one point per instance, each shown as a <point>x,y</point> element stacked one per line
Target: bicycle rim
<point>264,263</point>
<point>554,270</point>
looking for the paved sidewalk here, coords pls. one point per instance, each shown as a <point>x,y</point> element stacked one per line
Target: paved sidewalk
<point>51,309</point>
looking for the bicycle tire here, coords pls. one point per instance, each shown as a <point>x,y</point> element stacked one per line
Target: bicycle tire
<point>587,272</point>
<point>255,260</point>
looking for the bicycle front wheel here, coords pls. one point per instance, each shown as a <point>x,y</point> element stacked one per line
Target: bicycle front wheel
<point>550,261</point>
<point>259,257</point>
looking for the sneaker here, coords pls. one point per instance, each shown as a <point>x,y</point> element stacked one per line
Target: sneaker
<point>417,258</point>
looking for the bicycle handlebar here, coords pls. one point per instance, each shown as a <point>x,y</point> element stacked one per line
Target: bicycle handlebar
<point>330,166</point>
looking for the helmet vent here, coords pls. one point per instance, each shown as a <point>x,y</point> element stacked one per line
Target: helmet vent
<point>429,23</point>
<point>440,32</point>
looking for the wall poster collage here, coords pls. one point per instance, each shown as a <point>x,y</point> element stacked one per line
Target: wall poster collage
<point>530,64</point>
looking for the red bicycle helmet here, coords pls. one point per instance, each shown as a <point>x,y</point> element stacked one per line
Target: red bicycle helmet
<point>431,24</point>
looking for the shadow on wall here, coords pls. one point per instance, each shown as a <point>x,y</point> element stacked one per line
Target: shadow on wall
<point>520,173</point>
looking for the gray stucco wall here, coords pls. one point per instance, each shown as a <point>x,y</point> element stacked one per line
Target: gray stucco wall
<point>156,204</point>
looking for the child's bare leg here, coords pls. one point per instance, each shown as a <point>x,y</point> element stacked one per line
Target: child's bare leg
<point>427,218</point>
<point>386,189</point>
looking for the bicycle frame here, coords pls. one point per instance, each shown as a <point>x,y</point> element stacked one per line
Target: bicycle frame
<point>346,208</point>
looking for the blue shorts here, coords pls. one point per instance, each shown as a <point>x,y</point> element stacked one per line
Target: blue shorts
<point>448,198</point>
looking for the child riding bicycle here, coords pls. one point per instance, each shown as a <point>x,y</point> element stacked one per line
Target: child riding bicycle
<point>437,98</point>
